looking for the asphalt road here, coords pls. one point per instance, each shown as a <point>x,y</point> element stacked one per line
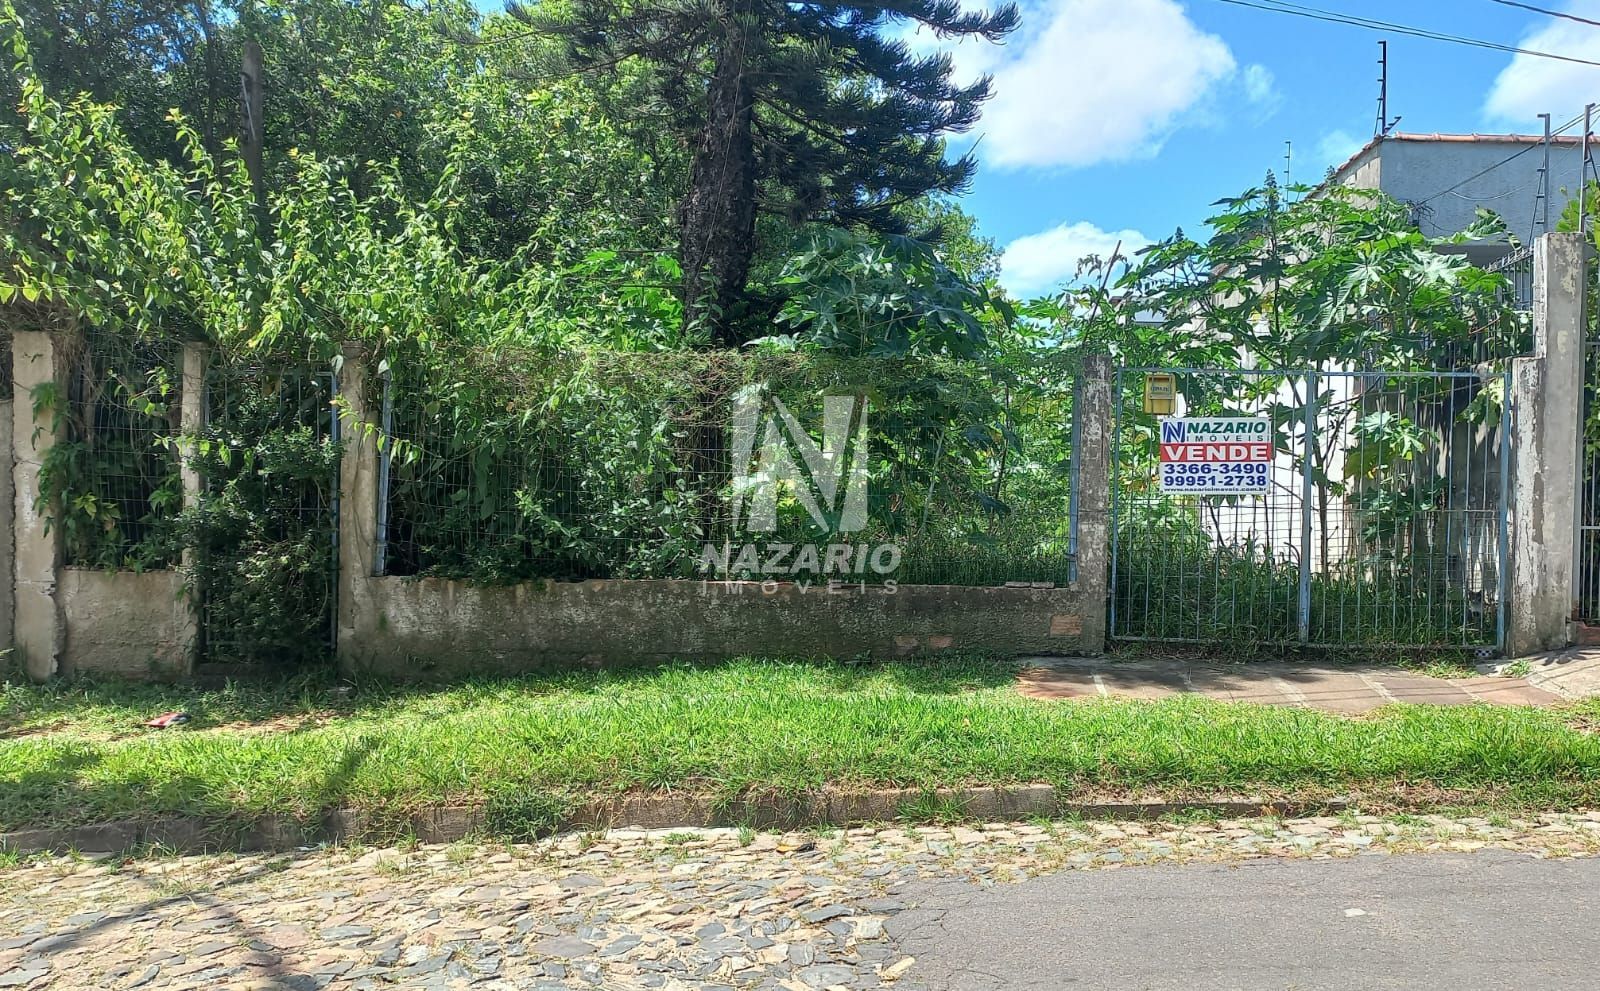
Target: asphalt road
<point>1463,922</point>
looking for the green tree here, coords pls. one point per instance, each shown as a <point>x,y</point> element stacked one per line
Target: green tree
<point>807,113</point>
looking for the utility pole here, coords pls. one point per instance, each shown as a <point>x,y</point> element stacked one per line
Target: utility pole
<point>1288,163</point>
<point>252,135</point>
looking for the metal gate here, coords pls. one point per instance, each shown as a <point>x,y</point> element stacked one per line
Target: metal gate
<point>266,547</point>
<point>1380,520</point>
<point>1587,606</point>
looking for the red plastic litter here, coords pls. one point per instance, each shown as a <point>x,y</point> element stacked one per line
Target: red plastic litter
<point>167,719</point>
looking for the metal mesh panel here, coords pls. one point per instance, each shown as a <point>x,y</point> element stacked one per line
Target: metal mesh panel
<point>631,469</point>
<point>1506,335</point>
<point>1587,606</point>
<point>264,537</point>
<point>116,473</point>
<point>1382,522</point>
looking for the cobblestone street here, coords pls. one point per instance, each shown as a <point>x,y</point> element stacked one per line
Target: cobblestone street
<point>697,909</point>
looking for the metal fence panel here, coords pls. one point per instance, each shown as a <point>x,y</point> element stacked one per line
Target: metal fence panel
<point>265,550</point>
<point>1382,521</point>
<point>629,472</point>
<point>1587,606</point>
<point>116,473</point>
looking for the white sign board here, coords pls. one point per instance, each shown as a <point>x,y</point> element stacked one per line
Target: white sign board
<point>1212,455</point>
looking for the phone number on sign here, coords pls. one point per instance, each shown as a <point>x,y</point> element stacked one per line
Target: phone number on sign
<point>1215,477</point>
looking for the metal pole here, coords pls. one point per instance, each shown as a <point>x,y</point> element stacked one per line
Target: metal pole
<point>1504,549</point>
<point>1116,528</point>
<point>1306,486</point>
<point>1383,89</point>
<point>1583,171</point>
<point>1543,212</point>
<point>1074,472</point>
<point>385,454</point>
<point>338,483</point>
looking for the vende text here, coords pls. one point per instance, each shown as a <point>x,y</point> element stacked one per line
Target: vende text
<point>1216,452</point>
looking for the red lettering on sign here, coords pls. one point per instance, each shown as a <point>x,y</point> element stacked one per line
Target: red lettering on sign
<point>1216,453</point>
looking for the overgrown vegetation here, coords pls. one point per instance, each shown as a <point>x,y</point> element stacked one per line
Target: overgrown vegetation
<point>1394,463</point>
<point>523,221</point>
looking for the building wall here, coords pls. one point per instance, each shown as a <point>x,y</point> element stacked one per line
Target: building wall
<point>1420,171</point>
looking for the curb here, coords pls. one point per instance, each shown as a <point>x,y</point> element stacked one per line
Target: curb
<point>450,823</point>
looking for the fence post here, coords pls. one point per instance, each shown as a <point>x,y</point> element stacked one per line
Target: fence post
<point>191,421</point>
<point>38,398</point>
<point>1307,495</point>
<point>1091,460</point>
<point>8,546</point>
<point>358,499</point>
<point>1547,415</point>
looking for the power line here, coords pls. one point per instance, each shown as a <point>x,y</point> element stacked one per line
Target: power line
<point>1504,161</point>
<point>1334,17</point>
<point>1552,13</point>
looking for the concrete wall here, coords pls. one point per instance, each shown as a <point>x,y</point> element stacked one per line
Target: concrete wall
<point>70,622</point>
<point>434,627</point>
<point>1418,169</point>
<point>124,623</point>
<point>7,525</point>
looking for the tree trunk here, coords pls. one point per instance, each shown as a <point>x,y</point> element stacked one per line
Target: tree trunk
<point>717,231</point>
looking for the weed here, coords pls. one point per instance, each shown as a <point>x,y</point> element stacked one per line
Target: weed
<point>930,806</point>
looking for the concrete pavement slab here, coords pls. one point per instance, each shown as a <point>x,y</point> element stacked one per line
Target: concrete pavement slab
<point>1351,690</point>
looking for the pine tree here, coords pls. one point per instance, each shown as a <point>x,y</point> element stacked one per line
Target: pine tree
<point>811,111</point>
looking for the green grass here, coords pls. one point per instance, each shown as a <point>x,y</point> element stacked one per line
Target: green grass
<point>530,748</point>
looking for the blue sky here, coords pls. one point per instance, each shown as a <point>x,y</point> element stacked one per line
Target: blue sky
<point>1128,117</point>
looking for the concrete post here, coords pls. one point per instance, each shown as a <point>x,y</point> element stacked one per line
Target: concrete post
<point>8,599</point>
<point>1094,493</point>
<point>358,499</point>
<point>39,397</point>
<point>1547,416</point>
<point>191,420</point>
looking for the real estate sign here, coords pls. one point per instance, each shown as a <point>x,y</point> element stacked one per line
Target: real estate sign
<point>1216,455</point>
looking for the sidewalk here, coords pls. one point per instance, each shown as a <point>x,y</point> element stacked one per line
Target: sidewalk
<point>1346,689</point>
<point>1573,673</point>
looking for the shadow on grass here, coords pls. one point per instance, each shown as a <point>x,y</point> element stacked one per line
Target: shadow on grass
<point>113,709</point>
<point>62,791</point>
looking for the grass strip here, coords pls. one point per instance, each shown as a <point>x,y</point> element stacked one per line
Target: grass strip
<point>75,754</point>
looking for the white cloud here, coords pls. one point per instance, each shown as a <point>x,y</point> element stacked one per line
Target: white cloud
<point>1037,263</point>
<point>1087,81</point>
<point>1530,86</point>
<point>1261,89</point>
<point>1335,147</point>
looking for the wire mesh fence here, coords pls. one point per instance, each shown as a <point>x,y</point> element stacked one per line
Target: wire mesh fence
<point>635,466</point>
<point>1373,515</point>
<point>116,471</point>
<point>1508,331</point>
<point>264,533</point>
